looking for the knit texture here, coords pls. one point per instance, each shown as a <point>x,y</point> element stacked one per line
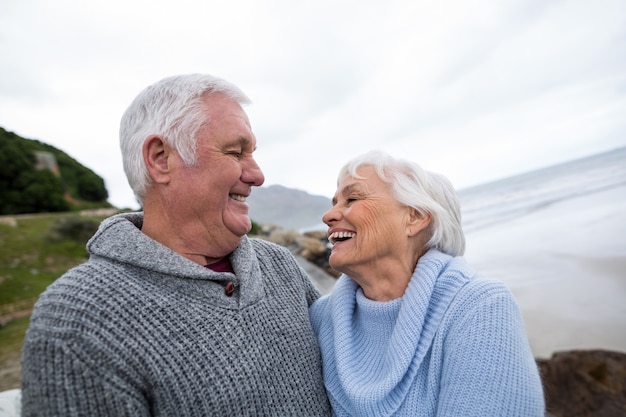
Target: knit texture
<point>139,330</point>
<point>453,345</point>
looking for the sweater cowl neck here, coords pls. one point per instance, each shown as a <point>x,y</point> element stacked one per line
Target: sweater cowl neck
<point>419,314</point>
<point>376,317</point>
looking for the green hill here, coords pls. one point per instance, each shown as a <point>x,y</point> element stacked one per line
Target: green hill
<point>36,177</point>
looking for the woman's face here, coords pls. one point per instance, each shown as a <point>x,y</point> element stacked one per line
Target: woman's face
<point>367,226</point>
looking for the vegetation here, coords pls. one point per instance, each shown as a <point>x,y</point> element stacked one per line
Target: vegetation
<point>256,228</point>
<point>26,189</point>
<point>11,339</point>
<point>35,250</point>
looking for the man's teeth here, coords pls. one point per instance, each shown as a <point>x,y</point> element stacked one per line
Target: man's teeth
<point>337,236</point>
<point>237,197</point>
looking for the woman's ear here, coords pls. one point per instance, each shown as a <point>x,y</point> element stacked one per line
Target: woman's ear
<point>417,222</point>
<point>156,153</point>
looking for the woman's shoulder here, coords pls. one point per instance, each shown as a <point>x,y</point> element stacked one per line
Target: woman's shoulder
<point>482,287</point>
<point>342,297</point>
<point>481,297</point>
<point>320,313</point>
<point>471,284</point>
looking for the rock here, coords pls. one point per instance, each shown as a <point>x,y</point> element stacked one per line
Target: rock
<point>316,234</point>
<point>268,228</point>
<point>8,220</point>
<point>312,245</point>
<point>11,403</point>
<point>585,383</point>
<point>281,237</point>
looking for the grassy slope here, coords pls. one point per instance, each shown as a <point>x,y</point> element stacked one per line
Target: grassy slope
<point>29,262</point>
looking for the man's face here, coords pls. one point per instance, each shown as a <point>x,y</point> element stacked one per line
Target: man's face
<point>212,193</point>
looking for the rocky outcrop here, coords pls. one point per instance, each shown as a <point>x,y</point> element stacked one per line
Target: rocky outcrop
<point>312,246</point>
<point>585,383</point>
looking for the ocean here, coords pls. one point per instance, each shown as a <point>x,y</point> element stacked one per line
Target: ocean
<point>488,204</point>
<point>557,238</point>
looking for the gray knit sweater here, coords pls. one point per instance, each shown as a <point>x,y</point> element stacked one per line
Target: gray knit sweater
<point>139,330</point>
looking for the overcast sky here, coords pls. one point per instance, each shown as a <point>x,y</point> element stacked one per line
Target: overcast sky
<point>474,89</point>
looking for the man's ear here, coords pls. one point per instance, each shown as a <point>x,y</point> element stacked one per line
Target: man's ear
<point>156,154</point>
<point>417,222</point>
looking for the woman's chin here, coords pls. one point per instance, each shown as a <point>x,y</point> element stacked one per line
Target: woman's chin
<point>335,262</point>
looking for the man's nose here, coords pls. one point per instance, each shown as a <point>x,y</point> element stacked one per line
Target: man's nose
<point>252,173</point>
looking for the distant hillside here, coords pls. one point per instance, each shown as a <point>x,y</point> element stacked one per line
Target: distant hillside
<point>36,177</point>
<point>287,207</point>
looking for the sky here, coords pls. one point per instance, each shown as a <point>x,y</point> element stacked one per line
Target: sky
<point>477,90</point>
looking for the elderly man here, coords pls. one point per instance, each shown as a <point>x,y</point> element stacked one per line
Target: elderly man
<point>177,312</point>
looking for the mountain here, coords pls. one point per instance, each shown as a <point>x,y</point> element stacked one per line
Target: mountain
<point>287,207</point>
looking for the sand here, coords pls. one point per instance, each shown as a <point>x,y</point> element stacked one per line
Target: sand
<point>566,266</point>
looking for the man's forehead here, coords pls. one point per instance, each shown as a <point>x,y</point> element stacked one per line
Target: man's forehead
<point>219,104</point>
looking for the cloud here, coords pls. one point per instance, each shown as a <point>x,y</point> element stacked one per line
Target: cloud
<point>476,90</point>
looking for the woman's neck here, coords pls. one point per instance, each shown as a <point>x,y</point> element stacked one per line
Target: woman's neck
<point>385,279</point>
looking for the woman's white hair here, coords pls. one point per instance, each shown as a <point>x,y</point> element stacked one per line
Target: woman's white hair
<point>426,192</point>
<point>172,108</point>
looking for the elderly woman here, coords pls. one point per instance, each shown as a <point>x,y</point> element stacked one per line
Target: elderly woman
<point>410,329</point>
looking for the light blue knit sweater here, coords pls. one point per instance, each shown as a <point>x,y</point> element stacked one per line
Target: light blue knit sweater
<point>453,345</point>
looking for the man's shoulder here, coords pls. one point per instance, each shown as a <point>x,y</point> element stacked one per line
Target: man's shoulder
<point>261,245</point>
<point>83,284</point>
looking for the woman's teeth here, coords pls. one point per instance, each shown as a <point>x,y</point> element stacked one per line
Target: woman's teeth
<point>340,236</point>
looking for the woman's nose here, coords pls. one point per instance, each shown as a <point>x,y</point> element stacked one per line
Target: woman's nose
<point>332,215</point>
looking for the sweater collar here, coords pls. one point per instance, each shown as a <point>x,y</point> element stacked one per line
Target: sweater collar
<point>435,281</point>
<point>119,238</point>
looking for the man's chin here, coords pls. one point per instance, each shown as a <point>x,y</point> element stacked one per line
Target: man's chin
<point>241,227</point>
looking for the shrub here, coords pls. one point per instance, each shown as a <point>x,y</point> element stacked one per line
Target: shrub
<point>78,229</point>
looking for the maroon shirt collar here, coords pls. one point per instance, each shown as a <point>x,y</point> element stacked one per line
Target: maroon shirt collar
<point>221,266</point>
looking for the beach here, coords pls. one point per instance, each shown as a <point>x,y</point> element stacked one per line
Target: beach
<point>565,263</point>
